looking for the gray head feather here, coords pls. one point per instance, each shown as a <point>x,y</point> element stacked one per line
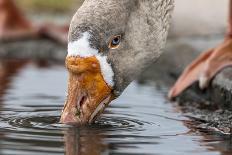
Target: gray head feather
<point>143,25</point>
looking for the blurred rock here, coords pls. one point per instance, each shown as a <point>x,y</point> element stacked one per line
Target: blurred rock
<point>33,49</point>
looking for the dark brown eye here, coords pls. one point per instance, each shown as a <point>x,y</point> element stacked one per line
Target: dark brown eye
<point>115,42</point>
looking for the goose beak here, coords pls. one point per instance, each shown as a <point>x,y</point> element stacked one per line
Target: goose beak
<point>88,93</point>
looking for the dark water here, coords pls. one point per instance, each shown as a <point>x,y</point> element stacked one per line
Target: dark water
<point>141,121</point>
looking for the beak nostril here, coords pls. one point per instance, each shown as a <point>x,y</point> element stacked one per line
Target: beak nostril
<point>84,98</point>
<point>81,101</point>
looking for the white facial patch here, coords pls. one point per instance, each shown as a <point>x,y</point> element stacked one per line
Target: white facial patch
<point>106,70</point>
<point>82,48</point>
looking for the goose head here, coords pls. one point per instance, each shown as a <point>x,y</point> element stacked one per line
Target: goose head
<point>110,44</point>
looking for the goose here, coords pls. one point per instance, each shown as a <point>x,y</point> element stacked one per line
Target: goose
<point>111,42</point>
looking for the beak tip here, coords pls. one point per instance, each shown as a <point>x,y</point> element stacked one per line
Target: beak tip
<point>68,119</point>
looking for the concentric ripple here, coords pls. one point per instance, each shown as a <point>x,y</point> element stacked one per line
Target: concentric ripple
<point>37,122</point>
<point>52,123</point>
<point>120,123</point>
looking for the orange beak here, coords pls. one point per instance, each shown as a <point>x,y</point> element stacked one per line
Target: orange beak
<point>88,93</point>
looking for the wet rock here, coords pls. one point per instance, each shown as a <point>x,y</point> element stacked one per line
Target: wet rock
<point>213,107</point>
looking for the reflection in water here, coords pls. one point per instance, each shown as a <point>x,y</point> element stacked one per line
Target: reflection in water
<point>83,142</point>
<point>8,69</point>
<point>141,121</point>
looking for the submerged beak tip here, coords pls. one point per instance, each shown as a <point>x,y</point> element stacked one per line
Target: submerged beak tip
<point>86,116</point>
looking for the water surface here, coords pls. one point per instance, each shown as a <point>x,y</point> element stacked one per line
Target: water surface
<point>141,121</point>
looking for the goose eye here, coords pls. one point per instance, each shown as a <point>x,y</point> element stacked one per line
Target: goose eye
<point>115,42</point>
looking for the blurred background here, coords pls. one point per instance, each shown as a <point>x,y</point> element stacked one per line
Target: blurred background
<point>199,17</point>
<point>60,11</point>
<point>49,5</point>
